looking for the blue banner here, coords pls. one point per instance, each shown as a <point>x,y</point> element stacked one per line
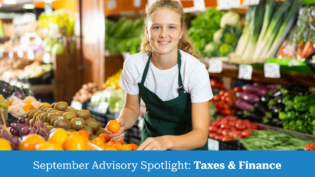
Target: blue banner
<point>156,163</point>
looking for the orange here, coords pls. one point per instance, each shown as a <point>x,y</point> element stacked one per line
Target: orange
<point>134,146</point>
<point>93,146</point>
<point>48,146</point>
<point>31,138</point>
<point>47,104</point>
<point>5,145</point>
<point>113,126</point>
<point>75,142</point>
<point>104,146</point>
<point>85,134</point>
<point>110,143</point>
<point>122,141</point>
<point>28,102</point>
<point>117,146</point>
<point>28,107</point>
<point>58,137</point>
<point>30,146</point>
<point>126,147</point>
<point>98,141</point>
<point>111,149</point>
<point>70,133</point>
<point>105,137</point>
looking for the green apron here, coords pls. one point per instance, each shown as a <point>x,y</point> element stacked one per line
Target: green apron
<point>171,117</point>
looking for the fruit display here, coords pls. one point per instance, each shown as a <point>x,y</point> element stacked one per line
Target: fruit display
<point>86,92</point>
<point>310,147</point>
<point>53,46</point>
<point>230,128</point>
<point>114,97</point>
<point>7,140</point>
<point>4,104</point>
<point>19,107</point>
<point>113,80</point>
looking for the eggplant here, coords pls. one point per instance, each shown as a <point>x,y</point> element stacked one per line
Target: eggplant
<point>276,109</point>
<point>274,86</point>
<point>239,113</point>
<point>265,99</point>
<point>278,99</point>
<point>262,109</point>
<point>249,98</point>
<point>276,122</point>
<point>254,117</point>
<point>243,105</point>
<point>258,84</point>
<point>260,91</point>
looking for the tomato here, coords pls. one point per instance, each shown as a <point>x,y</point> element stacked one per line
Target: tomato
<point>310,147</point>
<point>219,137</point>
<point>215,83</point>
<point>210,123</point>
<point>216,123</point>
<point>226,112</point>
<point>245,133</point>
<point>226,132</point>
<point>227,94</point>
<point>237,89</point>
<point>219,119</point>
<point>247,123</point>
<point>222,92</point>
<point>225,126</point>
<point>254,126</point>
<point>237,135</point>
<point>224,120</point>
<point>227,138</point>
<point>216,97</point>
<point>212,135</point>
<point>233,129</point>
<point>240,125</point>
<point>232,123</point>
<point>223,99</point>
<point>233,118</point>
<point>219,131</point>
<point>213,128</point>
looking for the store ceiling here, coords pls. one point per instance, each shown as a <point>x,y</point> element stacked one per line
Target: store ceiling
<point>14,7</point>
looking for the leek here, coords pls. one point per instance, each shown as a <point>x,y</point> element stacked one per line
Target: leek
<point>242,44</point>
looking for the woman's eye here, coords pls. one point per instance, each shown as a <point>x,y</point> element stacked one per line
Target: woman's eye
<point>172,27</point>
<point>156,27</point>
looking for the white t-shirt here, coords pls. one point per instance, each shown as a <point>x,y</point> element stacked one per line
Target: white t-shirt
<point>164,83</point>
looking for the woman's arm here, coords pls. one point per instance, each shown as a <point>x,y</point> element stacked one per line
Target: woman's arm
<point>128,116</point>
<point>192,140</point>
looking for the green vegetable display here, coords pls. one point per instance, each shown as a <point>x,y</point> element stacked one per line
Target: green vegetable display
<point>272,140</point>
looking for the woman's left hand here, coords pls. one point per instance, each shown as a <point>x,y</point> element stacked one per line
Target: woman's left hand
<point>157,143</point>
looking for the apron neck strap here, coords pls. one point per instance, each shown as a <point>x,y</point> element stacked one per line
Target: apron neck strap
<point>179,62</point>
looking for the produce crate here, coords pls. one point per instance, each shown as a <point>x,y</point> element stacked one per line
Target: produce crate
<point>11,119</point>
<point>231,145</point>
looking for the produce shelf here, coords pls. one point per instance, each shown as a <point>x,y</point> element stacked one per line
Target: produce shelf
<point>258,76</point>
<point>42,89</point>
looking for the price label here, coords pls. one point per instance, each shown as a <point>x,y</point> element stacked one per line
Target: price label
<point>199,5</point>
<point>1,54</point>
<point>20,53</point>
<point>215,66</point>
<point>102,107</point>
<point>223,4</point>
<point>245,72</point>
<point>235,3</point>
<point>272,70</point>
<point>76,105</point>
<point>112,4</point>
<point>137,3</point>
<point>46,58</point>
<point>11,54</point>
<point>30,54</point>
<point>213,144</point>
<point>250,2</point>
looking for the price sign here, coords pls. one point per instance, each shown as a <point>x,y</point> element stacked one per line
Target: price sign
<point>30,54</point>
<point>102,107</point>
<point>1,54</point>
<point>215,66</point>
<point>20,53</point>
<point>200,5</point>
<point>77,105</point>
<point>46,58</point>
<point>11,54</point>
<point>245,72</point>
<point>250,2</point>
<point>272,70</point>
<point>223,4</point>
<point>213,144</point>
<point>137,3</point>
<point>112,4</point>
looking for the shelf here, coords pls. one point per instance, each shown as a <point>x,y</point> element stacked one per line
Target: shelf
<point>258,76</point>
<point>42,89</point>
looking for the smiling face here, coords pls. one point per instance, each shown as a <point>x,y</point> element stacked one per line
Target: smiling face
<point>164,31</point>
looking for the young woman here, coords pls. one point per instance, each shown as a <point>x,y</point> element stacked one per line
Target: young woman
<point>171,81</point>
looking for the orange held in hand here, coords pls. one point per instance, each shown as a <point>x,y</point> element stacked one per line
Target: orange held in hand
<point>113,126</point>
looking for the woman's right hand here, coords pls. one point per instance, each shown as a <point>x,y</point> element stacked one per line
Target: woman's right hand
<point>119,135</point>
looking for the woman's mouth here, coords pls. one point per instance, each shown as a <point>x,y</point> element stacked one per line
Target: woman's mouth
<point>164,42</point>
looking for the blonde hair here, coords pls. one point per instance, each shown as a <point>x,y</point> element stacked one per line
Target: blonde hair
<point>183,43</point>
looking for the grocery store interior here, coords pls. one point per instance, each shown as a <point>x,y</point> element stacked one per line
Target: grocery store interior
<point>61,62</point>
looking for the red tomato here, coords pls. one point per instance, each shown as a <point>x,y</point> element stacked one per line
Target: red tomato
<point>210,123</point>
<point>212,135</point>
<point>233,129</point>
<point>226,112</point>
<point>254,126</point>
<point>225,126</point>
<point>216,123</point>
<point>226,132</point>
<point>227,94</point>
<point>213,128</point>
<point>237,89</point>
<point>310,147</point>
<point>216,97</point>
<point>225,120</point>
<point>240,125</point>
<point>237,135</point>
<point>232,123</point>
<point>233,118</point>
<point>222,92</point>
<point>227,138</point>
<point>219,119</point>
<point>219,137</point>
<point>247,123</point>
<point>245,133</point>
<point>219,131</point>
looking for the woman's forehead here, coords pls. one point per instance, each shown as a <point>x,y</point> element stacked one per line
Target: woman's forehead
<point>164,16</point>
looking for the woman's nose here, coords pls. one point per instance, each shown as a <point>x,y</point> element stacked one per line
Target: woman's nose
<point>163,33</point>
